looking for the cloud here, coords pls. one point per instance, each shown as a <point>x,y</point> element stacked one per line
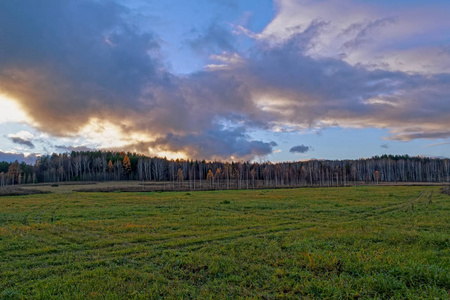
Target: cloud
<point>364,32</point>
<point>20,141</point>
<point>69,62</point>
<point>299,89</point>
<point>376,34</point>
<point>215,39</point>
<point>78,63</point>
<point>300,149</point>
<point>11,157</point>
<point>67,67</point>
<point>216,143</point>
<point>65,148</point>
<point>437,144</point>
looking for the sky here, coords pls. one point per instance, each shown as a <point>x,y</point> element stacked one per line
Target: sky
<point>257,80</point>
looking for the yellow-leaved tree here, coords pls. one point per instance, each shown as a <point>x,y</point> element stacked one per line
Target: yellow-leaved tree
<point>180,176</point>
<point>217,176</point>
<point>14,172</point>
<point>126,165</point>
<point>210,177</point>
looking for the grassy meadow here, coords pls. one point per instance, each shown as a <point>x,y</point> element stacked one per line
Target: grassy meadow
<point>340,243</point>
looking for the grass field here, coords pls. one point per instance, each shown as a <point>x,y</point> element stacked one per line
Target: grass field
<point>355,242</point>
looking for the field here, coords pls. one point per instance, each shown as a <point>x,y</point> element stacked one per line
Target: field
<point>354,242</point>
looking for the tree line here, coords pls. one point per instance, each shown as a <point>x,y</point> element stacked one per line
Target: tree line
<point>116,166</point>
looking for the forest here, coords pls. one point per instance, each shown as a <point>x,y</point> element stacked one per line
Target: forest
<point>117,166</point>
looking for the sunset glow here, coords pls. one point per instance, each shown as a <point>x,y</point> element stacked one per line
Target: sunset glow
<point>242,79</point>
<point>10,111</point>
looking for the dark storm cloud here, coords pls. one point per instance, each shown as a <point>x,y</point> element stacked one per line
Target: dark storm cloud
<point>407,136</point>
<point>363,32</point>
<point>73,148</point>
<point>215,39</point>
<point>68,62</point>
<point>20,141</point>
<point>300,149</point>
<point>11,157</point>
<point>309,91</point>
<point>216,143</point>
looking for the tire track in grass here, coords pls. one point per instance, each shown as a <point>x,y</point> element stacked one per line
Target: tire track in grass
<point>182,240</point>
<point>91,258</point>
<point>424,197</point>
<point>170,242</point>
<point>44,209</point>
<point>232,236</point>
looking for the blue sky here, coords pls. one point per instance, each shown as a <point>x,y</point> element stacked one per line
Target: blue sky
<point>246,80</point>
<point>178,22</point>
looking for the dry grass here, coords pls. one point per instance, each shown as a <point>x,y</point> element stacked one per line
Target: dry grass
<point>64,183</point>
<point>162,186</point>
<point>18,191</point>
<point>165,186</point>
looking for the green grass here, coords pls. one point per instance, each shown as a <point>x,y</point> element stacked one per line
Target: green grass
<point>341,243</point>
